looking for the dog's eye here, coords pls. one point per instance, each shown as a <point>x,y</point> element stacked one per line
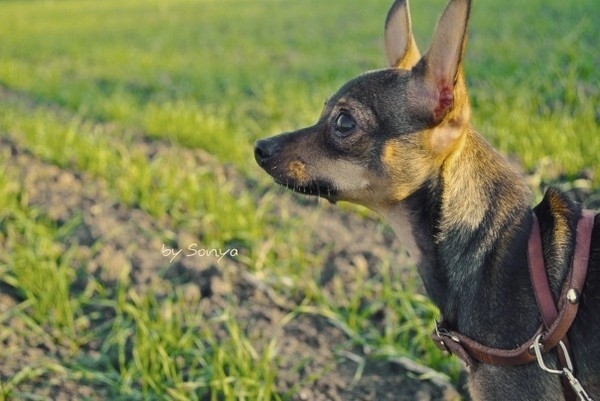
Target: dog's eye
<point>344,124</point>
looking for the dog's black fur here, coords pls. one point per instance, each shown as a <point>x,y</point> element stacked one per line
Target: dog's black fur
<point>399,141</point>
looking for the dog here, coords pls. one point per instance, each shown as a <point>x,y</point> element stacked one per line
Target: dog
<point>398,141</point>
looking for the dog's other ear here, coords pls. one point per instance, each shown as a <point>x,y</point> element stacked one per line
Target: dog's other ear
<point>443,61</point>
<point>400,46</point>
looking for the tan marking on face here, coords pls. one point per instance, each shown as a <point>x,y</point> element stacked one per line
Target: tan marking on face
<point>297,170</point>
<point>389,154</point>
<point>409,164</point>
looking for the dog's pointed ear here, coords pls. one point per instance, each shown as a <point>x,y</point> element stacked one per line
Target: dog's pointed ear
<point>400,46</point>
<point>443,61</point>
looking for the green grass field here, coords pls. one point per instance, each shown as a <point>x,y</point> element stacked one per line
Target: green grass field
<point>84,84</point>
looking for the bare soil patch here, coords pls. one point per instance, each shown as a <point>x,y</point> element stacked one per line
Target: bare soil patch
<point>113,239</point>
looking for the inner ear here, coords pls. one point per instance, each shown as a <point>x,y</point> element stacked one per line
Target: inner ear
<point>400,46</point>
<point>445,54</point>
<point>443,59</point>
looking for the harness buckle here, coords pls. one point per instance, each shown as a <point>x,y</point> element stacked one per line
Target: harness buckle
<point>538,348</point>
<point>576,386</point>
<point>442,332</point>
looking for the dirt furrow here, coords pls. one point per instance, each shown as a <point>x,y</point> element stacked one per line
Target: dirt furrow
<point>114,240</point>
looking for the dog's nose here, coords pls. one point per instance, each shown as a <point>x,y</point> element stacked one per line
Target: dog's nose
<point>264,149</point>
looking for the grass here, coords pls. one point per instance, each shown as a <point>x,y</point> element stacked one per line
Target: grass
<point>84,83</point>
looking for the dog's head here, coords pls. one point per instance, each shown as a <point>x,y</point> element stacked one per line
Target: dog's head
<point>387,132</point>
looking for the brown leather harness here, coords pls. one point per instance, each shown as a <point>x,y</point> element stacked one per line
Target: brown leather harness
<point>557,318</point>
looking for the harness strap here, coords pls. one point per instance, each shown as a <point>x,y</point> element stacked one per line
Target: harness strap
<point>552,331</point>
<point>539,277</point>
<point>545,299</point>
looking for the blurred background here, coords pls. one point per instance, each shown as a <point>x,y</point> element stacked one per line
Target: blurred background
<point>144,255</point>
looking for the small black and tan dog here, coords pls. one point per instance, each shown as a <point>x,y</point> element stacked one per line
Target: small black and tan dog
<point>398,141</point>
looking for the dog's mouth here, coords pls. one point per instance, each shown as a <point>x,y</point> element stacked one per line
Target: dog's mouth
<point>267,153</point>
<point>319,188</point>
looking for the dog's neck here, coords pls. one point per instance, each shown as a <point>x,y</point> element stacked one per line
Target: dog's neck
<point>467,228</point>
